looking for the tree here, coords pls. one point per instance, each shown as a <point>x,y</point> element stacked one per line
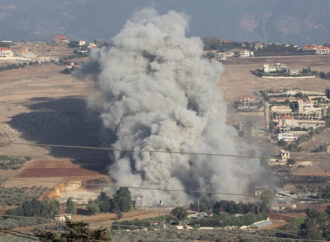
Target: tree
<point>267,197</point>
<point>75,231</point>
<point>122,199</point>
<point>315,226</point>
<point>93,207</point>
<point>291,161</point>
<point>179,213</point>
<point>70,206</point>
<point>74,44</point>
<point>104,202</point>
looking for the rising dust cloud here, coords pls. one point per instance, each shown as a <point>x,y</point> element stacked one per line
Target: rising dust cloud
<point>156,92</point>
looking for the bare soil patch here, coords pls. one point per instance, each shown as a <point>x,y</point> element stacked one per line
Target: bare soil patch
<point>48,168</point>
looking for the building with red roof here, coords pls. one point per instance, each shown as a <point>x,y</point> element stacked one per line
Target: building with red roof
<point>5,52</point>
<point>61,39</point>
<point>247,99</point>
<point>323,50</point>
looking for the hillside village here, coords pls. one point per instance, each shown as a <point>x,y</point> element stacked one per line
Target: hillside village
<point>291,117</point>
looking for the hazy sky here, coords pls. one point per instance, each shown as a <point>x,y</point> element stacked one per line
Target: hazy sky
<point>299,21</point>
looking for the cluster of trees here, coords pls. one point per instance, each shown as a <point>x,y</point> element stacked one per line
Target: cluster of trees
<point>36,208</point>
<point>12,196</point>
<point>12,162</point>
<point>232,207</point>
<point>283,72</point>
<point>294,146</point>
<point>216,44</point>
<point>320,148</point>
<point>324,75</point>
<point>279,50</point>
<point>316,225</point>
<point>17,66</point>
<point>238,208</point>
<point>120,202</point>
<point>75,231</point>
<point>324,192</point>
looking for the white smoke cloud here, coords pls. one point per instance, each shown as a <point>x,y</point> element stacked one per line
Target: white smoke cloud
<point>156,92</point>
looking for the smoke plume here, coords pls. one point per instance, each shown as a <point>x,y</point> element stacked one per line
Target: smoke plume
<point>156,92</point>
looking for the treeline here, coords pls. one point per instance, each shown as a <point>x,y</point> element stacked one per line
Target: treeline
<point>238,208</point>
<point>279,50</point>
<point>231,207</point>
<point>17,66</point>
<point>216,44</point>
<point>266,50</point>
<point>228,220</point>
<point>36,208</point>
<point>120,202</point>
<point>324,75</point>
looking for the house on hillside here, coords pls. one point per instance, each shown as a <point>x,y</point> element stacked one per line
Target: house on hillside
<point>274,68</point>
<point>247,99</point>
<point>258,46</point>
<point>6,52</point>
<point>246,53</point>
<point>283,206</point>
<point>223,40</point>
<point>222,56</point>
<point>285,122</point>
<point>323,50</point>
<point>60,39</point>
<point>311,47</point>
<point>81,42</point>
<point>61,218</point>
<point>287,137</point>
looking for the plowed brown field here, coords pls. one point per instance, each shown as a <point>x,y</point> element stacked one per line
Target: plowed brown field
<point>54,168</point>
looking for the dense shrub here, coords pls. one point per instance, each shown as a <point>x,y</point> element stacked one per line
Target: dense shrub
<point>12,162</point>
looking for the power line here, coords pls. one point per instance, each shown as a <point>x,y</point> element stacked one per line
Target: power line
<point>147,151</point>
<point>144,151</point>
<point>163,189</point>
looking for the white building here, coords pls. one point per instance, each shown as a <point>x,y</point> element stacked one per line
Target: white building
<point>6,52</point>
<point>283,206</point>
<point>323,50</point>
<point>62,217</point>
<point>81,42</point>
<point>307,107</point>
<point>275,67</point>
<point>60,39</point>
<point>222,56</point>
<point>294,72</point>
<point>246,53</point>
<point>288,137</point>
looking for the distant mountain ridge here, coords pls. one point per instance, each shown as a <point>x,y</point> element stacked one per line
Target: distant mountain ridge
<point>295,21</point>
